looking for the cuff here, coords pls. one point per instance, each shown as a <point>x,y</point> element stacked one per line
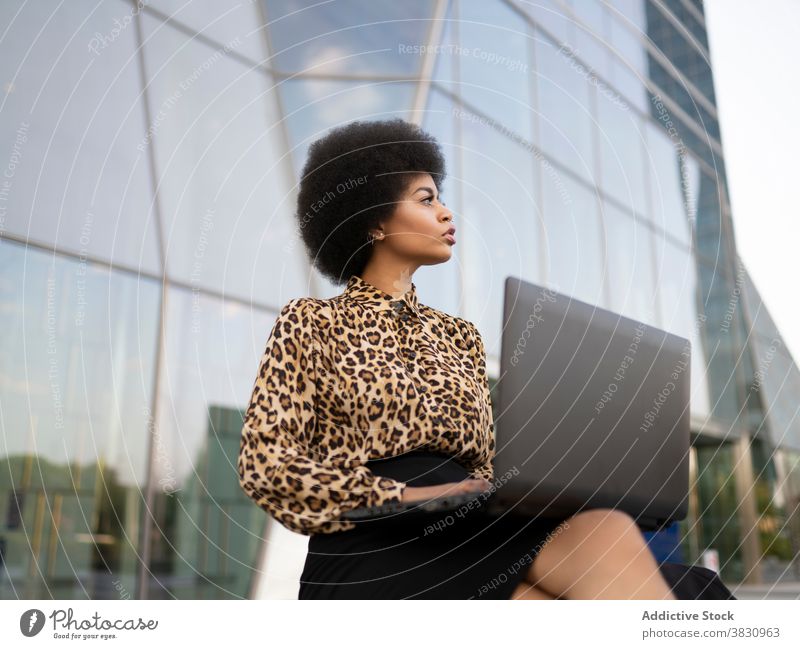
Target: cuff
<point>387,490</point>
<point>485,471</point>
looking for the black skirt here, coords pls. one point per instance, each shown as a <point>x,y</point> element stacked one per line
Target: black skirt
<point>463,554</point>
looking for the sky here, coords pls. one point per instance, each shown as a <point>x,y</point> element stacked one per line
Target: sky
<point>755,47</point>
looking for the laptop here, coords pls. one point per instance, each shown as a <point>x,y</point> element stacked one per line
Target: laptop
<point>592,412</point>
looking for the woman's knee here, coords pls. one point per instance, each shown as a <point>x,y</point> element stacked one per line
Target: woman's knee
<point>605,525</point>
<point>524,590</point>
<point>590,535</point>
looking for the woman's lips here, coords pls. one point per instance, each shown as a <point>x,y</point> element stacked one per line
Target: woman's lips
<point>450,238</point>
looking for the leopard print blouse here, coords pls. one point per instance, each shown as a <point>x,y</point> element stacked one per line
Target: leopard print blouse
<point>360,376</point>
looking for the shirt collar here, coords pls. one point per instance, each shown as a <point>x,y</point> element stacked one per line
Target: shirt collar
<point>361,291</point>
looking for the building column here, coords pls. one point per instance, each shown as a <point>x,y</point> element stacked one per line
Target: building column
<point>695,522</point>
<point>747,511</point>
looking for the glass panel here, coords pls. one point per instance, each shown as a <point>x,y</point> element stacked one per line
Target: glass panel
<point>440,286</point>
<point>573,238</point>
<point>709,239</point>
<point>775,533</point>
<point>565,116</point>
<point>776,377</point>
<point>628,62</point>
<point>313,107</point>
<point>499,232</point>
<point>676,276</point>
<point>622,170</point>
<point>207,533</point>
<point>238,25</point>
<point>589,35</point>
<point>719,525</point>
<point>632,12</point>
<point>446,66</point>
<point>552,17</point>
<point>366,37</point>
<point>73,172</point>
<point>666,188</point>
<point>629,85</point>
<point>78,358</point>
<point>495,70</point>
<point>791,469</point>
<point>626,41</point>
<point>723,340</point>
<point>630,265</point>
<point>226,191</point>
<point>692,182</point>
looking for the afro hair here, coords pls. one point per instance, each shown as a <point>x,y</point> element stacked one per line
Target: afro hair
<point>351,181</point>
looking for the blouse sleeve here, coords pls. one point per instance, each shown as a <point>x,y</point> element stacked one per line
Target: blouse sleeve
<point>276,471</point>
<point>485,469</point>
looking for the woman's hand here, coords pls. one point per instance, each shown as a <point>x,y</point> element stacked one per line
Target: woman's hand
<point>469,485</point>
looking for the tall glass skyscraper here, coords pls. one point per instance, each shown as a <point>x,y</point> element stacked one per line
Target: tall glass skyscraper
<point>150,159</point>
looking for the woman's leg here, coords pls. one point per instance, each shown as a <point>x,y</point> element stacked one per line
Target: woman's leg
<point>600,555</point>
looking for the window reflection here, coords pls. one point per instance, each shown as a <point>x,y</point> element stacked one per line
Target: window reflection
<point>564,95</point>
<point>630,265</point>
<point>225,193</point>
<point>628,63</point>
<point>676,277</point>
<point>573,238</point>
<point>439,286</point>
<point>72,122</point>
<point>207,533</point>
<point>691,183</point>
<point>723,340</point>
<point>495,66</point>
<point>626,38</point>
<point>445,68</point>
<point>633,12</point>
<point>364,37</point>
<point>776,379</point>
<point>588,40</point>
<point>312,107</point>
<point>716,492</point>
<point>622,170</point>
<point>239,24</point>
<point>669,211</point>
<point>499,233</point>
<point>77,359</point>
<point>552,17</point>
<point>629,85</point>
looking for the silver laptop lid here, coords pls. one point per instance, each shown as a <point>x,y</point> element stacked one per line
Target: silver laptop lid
<point>593,409</point>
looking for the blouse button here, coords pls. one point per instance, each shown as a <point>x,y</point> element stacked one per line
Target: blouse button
<point>411,354</point>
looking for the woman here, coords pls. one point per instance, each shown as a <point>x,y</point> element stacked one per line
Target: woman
<point>371,397</point>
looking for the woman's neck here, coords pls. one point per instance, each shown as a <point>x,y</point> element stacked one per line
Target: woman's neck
<point>394,281</point>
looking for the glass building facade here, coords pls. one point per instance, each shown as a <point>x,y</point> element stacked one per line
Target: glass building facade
<point>150,159</point>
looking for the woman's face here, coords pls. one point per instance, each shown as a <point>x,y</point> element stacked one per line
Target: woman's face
<point>417,228</point>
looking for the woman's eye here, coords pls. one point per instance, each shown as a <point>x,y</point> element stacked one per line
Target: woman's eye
<point>430,198</point>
